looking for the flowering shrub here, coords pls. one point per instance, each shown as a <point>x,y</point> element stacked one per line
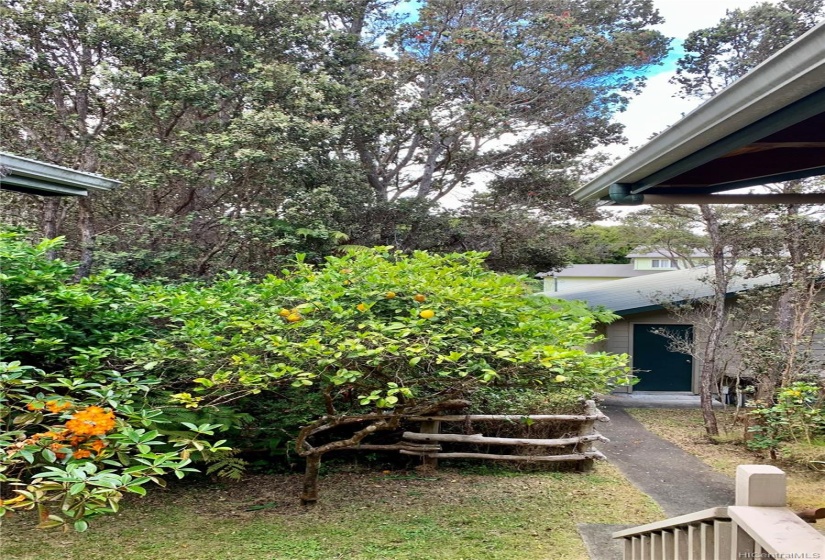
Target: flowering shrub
<point>376,329</point>
<point>796,415</point>
<point>71,447</point>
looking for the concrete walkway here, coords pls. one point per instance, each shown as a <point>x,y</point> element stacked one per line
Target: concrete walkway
<point>679,482</point>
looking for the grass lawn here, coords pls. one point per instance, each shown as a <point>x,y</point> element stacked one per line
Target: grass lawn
<point>446,516</point>
<point>684,428</point>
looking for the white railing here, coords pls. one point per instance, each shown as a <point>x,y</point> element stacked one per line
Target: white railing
<point>758,526</point>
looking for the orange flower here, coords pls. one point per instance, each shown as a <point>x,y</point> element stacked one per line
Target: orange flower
<point>58,450</point>
<point>82,454</point>
<point>57,407</point>
<point>98,445</point>
<point>57,436</point>
<point>33,406</point>
<point>92,421</point>
<point>76,441</point>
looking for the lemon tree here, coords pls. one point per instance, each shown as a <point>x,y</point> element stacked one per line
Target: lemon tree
<point>380,334</point>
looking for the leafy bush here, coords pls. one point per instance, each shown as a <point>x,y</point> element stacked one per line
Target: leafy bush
<point>78,433</point>
<point>74,446</point>
<point>375,330</point>
<point>378,335</point>
<point>797,415</point>
<point>52,323</point>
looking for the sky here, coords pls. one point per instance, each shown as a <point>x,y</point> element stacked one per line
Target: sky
<point>657,108</point>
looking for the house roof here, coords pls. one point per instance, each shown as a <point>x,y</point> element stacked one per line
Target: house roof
<point>598,271</point>
<point>767,126</point>
<point>648,293</point>
<point>36,177</point>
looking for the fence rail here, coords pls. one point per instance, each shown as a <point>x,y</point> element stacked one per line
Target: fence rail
<point>581,445</point>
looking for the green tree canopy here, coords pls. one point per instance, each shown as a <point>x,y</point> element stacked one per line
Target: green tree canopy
<point>717,56</point>
<point>244,130</point>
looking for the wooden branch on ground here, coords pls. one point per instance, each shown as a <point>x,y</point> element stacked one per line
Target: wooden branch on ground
<point>542,458</point>
<point>481,439</point>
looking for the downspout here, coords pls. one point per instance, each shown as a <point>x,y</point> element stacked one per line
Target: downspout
<point>620,194</point>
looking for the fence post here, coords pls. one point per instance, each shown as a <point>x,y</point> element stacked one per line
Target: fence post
<point>586,429</point>
<point>430,427</point>
<point>760,486</point>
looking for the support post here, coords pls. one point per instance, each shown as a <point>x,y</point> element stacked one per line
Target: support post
<point>586,429</point>
<point>430,427</point>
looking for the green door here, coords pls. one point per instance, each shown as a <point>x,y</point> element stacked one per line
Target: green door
<point>658,368</point>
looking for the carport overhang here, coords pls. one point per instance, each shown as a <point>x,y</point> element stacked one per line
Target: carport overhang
<point>766,127</point>
<point>30,176</point>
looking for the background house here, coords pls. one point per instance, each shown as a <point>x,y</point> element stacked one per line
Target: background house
<point>642,263</point>
<point>644,305</point>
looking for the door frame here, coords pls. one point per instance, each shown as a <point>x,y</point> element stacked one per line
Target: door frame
<point>695,366</point>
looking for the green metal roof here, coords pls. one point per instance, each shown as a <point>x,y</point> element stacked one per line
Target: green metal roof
<point>630,296</point>
<point>767,126</point>
<point>36,177</point>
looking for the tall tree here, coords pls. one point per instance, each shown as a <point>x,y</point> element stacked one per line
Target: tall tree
<point>479,88</point>
<point>246,129</point>
<point>211,111</point>
<point>717,56</point>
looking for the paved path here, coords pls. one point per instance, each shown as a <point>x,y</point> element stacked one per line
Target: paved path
<point>679,482</point>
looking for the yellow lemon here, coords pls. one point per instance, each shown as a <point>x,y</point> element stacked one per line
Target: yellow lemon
<point>420,298</point>
<point>293,317</point>
<point>361,307</point>
<point>390,295</point>
<point>284,312</point>
<point>427,314</point>
<point>560,379</point>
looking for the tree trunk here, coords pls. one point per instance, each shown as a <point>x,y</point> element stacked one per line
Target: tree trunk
<point>87,239</point>
<point>707,377</point>
<point>310,493</point>
<point>50,220</point>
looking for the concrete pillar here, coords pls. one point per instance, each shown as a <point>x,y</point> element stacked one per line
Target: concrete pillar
<point>760,486</point>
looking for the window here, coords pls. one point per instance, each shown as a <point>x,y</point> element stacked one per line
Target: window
<point>663,263</point>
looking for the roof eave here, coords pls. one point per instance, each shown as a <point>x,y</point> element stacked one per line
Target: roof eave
<point>36,177</point>
<point>792,74</point>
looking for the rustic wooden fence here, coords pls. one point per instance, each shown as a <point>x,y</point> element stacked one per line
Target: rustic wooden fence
<point>581,444</point>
